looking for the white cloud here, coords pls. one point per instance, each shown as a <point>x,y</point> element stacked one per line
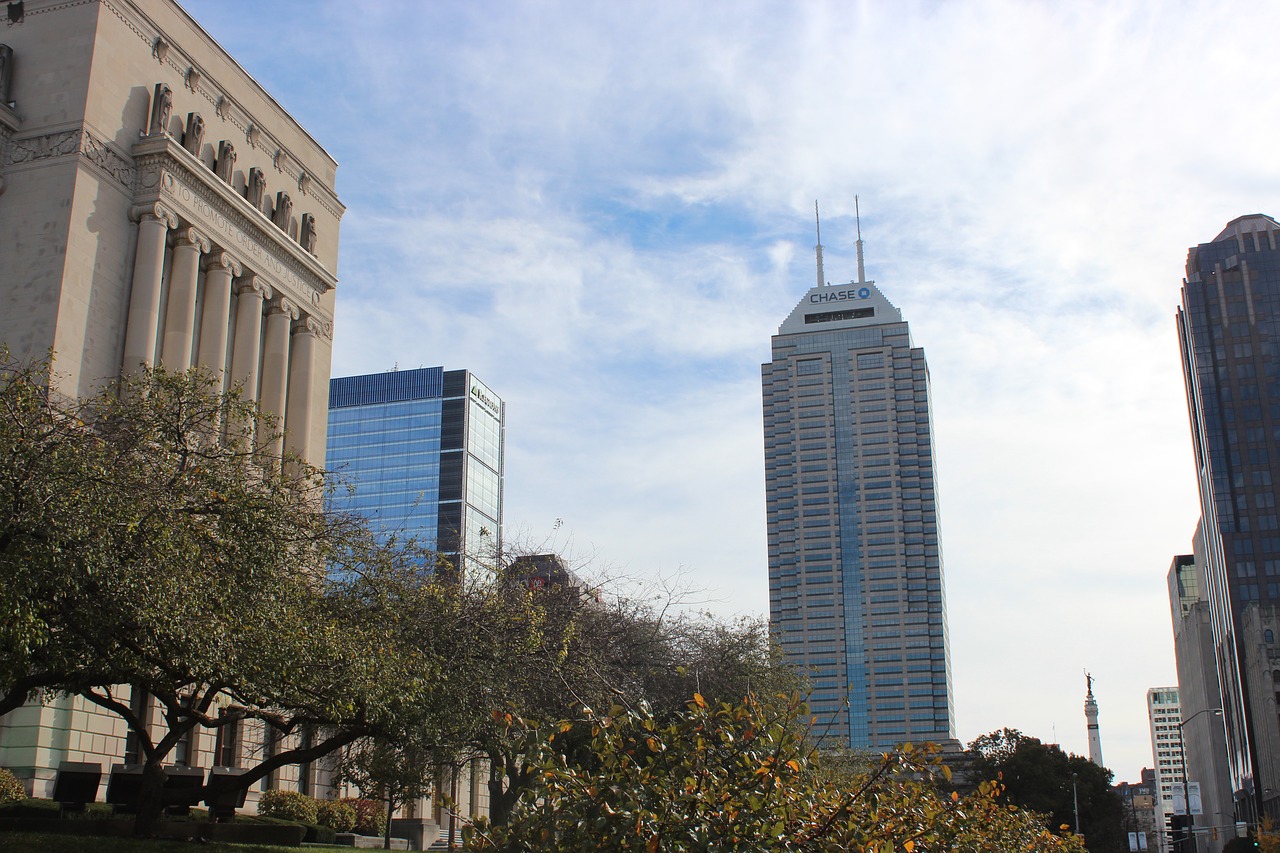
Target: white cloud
<point>604,210</point>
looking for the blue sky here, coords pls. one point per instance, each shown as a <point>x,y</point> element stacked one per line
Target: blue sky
<point>606,209</point>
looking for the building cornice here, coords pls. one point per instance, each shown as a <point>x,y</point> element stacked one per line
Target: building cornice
<point>169,174</point>
<point>200,82</point>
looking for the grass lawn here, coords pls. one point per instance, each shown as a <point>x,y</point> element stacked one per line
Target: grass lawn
<point>38,842</point>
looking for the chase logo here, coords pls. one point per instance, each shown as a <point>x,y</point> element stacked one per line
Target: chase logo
<point>823,296</point>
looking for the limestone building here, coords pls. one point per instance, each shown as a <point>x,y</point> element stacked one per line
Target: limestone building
<point>157,206</point>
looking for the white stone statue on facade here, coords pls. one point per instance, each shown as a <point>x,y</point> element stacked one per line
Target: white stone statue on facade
<point>283,211</point>
<point>255,189</point>
<point>307,234</point>
<point>6,73</point>
<point>161,107</point>
<point>194,137</point>
<point>226,160</point>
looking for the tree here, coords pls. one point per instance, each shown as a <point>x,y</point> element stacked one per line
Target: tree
<point>1044,779</point>
<point>737,776</point>
<point>145,542</point>
<point>558,650</point>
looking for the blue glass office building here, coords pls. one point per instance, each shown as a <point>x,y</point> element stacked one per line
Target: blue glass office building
<point>856,594</point>
<point>1229,332</point>
<point>423,450</point>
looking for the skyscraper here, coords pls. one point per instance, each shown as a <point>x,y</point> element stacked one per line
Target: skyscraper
<point>1164,715</point>
<point>856,592</point>
<point>1229,332</point>
<point>423,451</point>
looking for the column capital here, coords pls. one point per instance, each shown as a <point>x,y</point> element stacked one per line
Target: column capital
<point>155,210</point>
<point>191,237</point>
<point>223,260</point>
<point>282,305</point>
<point>252,283</point>
<point>308,325</point>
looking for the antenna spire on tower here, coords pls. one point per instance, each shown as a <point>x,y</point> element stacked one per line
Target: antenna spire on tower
<point>862,275</point>
<point>818,222</point>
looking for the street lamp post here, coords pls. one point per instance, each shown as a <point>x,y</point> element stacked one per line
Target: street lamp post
<point>1186,798</point>
<point>1075,801</point>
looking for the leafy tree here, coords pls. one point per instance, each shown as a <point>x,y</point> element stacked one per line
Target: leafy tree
<point>558,651</point>
<point>394,772</point>
<point>738,776</point>
<point>1043,778</point>
<point>145,543</point>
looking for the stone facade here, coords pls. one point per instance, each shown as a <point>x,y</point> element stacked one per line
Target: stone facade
<point>139,171</point>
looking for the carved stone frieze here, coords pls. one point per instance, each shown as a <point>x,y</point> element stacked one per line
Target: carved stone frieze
<point>98,152</point>
<point>67,142</point>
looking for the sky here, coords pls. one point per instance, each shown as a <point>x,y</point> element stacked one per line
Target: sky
<point>605,210</point>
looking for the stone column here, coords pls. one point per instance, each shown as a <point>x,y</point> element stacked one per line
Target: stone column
<point>154,222</point>
<point>219,268</point>
<point>275,375</point>
<point>298,407</point>
<point>180,318</point>
<point>250,294</point>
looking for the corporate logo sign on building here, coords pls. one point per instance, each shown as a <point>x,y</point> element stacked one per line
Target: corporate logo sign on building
<point>856,303</point>
<point>824,295</point>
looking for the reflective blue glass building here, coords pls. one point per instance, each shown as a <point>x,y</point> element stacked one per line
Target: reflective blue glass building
<point>423,451</point>
<point>1229,332</point>
<point>856,592</point>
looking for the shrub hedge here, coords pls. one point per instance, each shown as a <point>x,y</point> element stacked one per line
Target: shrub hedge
<point>289,805</point>
<point>338,815</point>
<point>11,790</point>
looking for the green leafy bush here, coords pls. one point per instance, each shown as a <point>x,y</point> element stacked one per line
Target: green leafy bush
<point>370,817</point>
<point>11,790</point>
<point>338,815</point>
<point>289,805</point>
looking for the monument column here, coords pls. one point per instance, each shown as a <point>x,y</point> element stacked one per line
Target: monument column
<point>143,325</point>
<point>250,294</point>
<point>180,319</point>
<point>275,373</point>
<point>220,268</point>
<point>297,422</point>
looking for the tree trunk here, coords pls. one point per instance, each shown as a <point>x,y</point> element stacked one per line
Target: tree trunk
<point>150,800</point>
<point>391,810</point>
<point>503,797</point>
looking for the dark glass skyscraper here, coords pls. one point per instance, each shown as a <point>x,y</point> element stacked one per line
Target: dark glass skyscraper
<point>1229,331</point>
<point>423,450</point>
<point>856,592</point>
